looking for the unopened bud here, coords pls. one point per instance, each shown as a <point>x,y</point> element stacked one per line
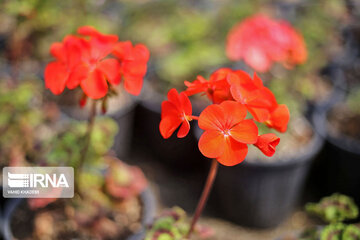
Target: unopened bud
<point>83,101</point>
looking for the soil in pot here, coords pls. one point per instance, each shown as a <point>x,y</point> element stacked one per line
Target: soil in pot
<point>262,192</point>
<point>59,220</point>
<point>337,169</point>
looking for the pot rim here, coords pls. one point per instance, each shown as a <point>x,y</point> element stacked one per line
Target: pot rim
<point>343,142</point>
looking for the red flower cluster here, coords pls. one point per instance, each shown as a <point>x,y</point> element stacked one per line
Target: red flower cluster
<point>260,41</point>
<point>226,131</point>
<point>84,61</point>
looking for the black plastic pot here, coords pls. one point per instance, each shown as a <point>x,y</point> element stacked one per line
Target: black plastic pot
<point>175,153</point>
<point>2,207</point>
<point>262,195</point>
<point>148,214</point>
<point>338,166</point>
<point>123,116</point>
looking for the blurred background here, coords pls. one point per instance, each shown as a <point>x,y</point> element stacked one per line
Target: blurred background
<point>262,198</point>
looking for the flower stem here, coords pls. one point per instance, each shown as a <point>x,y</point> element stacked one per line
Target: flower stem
<point>87,137</point>
<point>204,196</point>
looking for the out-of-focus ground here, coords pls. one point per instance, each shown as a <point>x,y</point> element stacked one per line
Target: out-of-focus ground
<point>179,188</point>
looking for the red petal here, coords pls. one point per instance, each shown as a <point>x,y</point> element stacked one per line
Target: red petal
<point>88,31</point>
<point>234,153</point>
<point>75,49</point>
<point>122,49</point>
<point>212,118</point>
<point>56,75</point>
<point>212,143</point>
<point>95,85</point>
<point>267,143</point>
<point>234,113</point>
<point>168,125</point>
<point>257,59</point>
<point>239,77</point>
<point>257,81</point>
<point>92,32</point>
<point>141,52</point>
<point>184,129</point>
<point>134,68</point>
<point>185,104</point>
<point>279,118</point>
<point>133,84</point>
<point>77,75</point>
<point>101,44</point>
<point>110,67</point>
<point>259,114</point>
<point>173,97</point>
<point>245,131</point>
<point>57,50</point>
<point>169,109</point>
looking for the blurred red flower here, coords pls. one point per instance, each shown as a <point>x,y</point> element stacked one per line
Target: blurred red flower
<point>260,41</point>
<point>267,143</point>
<point>133,64</point>
<point>175,111</point>
<point>84,61</point>
<point>227,133</point>
<point>123,181</point>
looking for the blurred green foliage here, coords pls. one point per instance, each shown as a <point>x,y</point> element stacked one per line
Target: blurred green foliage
<point>353,101</point>
<point>334,210</point>
<point>172,225</point>
<point>20,116</point>
<point>65,149</point>
<point>186,38</point>
<point>31,26</point>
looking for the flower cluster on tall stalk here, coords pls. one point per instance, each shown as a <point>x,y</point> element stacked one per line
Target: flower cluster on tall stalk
<point>95,62</point>
<point>238,101</point>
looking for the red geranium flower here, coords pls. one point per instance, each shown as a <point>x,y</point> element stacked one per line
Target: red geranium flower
<point>217,89</point>
<point>175,112</point>
<point>133,64</point>
<point>260,41</point>
<point>226,132</point>
<point>84,61</point>
<point>267,143</point>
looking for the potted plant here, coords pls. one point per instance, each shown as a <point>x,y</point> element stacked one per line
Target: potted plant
<point>334,210</point>
<point>118,104</point>
<point>24,115</point>
<point>264,191</point>
<point>110,198</point>
<point>227,133</point>
<point>116,203</point>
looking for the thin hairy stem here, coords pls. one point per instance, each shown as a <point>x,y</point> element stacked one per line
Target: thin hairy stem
<point>204,196</point>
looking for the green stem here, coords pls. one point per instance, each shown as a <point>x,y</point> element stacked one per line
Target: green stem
<point>204,196</point>
<point>85,149</point>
